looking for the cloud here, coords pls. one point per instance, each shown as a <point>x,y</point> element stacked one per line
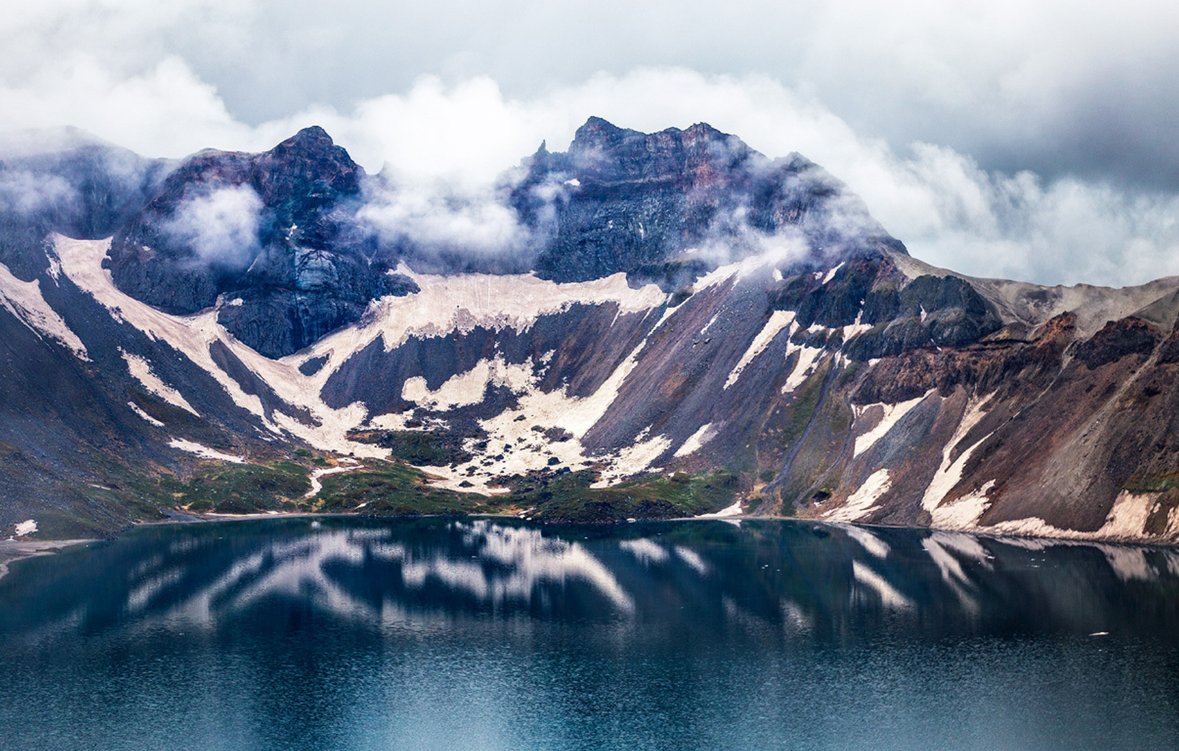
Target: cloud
<point>221,227</point>
<point>1031,142</point>
<point>433,221</point>
<point>941,203</point>
<point>25,193</point>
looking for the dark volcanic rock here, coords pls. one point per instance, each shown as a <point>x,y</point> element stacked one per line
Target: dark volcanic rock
<point>1118,339</point>
<point>298,267</point>
<point>621,200</point>
<point>930,311</point>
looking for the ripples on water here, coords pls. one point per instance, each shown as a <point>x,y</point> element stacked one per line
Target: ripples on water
<point>346,634</point>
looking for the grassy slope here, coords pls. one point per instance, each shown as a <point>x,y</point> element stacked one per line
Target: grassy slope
<point>395,488</point>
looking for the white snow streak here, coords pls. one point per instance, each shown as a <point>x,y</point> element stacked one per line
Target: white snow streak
<point>726,512</point>
<point>950,471</point>
<point>204,451</point>
<point>444,305</point>
<point>469,388</point>
<point>892,415</point>
<point>148,418</point>
<point>807,357</point>
<point>695,441</point>
<point>141,370</point>
<point>779,319</point>
<point>863,499</point>
<point>25,301</point>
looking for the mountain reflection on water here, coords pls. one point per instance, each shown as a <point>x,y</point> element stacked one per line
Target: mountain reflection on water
<point>823,582</point>
<point>495,633</point>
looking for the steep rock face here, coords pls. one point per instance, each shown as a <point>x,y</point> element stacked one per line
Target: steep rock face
<point>283,248</point>
<point>652,203</point>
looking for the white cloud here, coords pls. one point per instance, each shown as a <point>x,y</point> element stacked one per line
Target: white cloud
<point>927,96</point>
<point>941,203</point>
<point>474,223</point>
<point>221,227</point>
<point>24,192</point>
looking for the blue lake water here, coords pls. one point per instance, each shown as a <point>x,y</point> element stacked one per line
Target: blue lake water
<point>444,634</point>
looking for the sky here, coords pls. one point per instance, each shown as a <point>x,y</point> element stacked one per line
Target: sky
<point>1021,140</point>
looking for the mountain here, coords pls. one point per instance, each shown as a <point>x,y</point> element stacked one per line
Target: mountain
<point>688,327</point>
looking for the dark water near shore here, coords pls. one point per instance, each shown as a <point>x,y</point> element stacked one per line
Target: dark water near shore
<point>347,634</point>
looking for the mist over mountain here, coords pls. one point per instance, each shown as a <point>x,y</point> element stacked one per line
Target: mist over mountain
<point>643,325</point>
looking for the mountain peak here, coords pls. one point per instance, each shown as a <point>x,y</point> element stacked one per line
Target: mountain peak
<point>597,134</point>
<point>312,140</point>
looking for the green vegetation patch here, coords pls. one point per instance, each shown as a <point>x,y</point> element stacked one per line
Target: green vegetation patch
<point>1156,484</point>
<point>419,447</point>
<point>244,488</point>
<point>805,401</point>
<point>397,489</point>
<point>568,497</point>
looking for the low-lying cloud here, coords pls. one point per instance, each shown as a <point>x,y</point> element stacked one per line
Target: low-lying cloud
<point>25,193</point>
<point>437,221</point>
<point>219,227</point>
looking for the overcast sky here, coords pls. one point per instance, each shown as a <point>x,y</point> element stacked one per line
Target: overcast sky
<point>991,138</point>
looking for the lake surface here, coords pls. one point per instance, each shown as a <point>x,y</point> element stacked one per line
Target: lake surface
<point>441,634</point>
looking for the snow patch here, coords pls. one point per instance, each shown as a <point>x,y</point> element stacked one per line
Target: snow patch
<point>468,388</point>
<point>856,328</point>
<point>148,418</point>
<point>634,459</point>
<point>950,472</point>
<point>1126,521</point>
<point>892,415</point>
<point>779,320</point>
<point>318,472</point>
<point>863,499</point>
<point>444,305</point>
<point>831,273</point>
<point>807,357</point>
<point>204,451</point>
<point>25,301</point>
<point>726,512</point>
<point>140,369</point>
<point>710,323</point>
<point>696,441</point>
<point>964,512</point>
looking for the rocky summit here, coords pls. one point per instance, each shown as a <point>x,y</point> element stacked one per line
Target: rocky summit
<point>290,263</point>
<point>682,327</point>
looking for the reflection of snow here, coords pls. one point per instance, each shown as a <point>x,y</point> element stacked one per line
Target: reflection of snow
<point>868,541</point>
<point>499,564</point>
<point>951,570</point>
<point>645,550</point>
<point>889,595</point>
